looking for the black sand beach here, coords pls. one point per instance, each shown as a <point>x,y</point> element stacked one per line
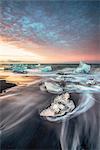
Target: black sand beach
<point>23,128</point>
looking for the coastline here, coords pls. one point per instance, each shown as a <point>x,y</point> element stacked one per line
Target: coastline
<point>26,102</point>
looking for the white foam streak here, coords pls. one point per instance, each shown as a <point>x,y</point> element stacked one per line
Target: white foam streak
<point>85,103</point>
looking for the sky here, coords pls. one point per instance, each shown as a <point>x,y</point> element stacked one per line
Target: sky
<point>50,31</point>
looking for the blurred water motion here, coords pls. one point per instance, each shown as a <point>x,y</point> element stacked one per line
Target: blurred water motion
<point>22,127</point>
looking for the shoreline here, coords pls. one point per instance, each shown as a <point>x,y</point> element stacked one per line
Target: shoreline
<point>23,105</point>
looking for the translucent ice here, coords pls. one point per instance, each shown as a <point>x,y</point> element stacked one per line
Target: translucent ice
<point>83,68</point>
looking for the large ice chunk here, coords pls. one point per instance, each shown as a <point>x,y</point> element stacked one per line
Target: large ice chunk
<point>83,68</point>
<point>53,87</point>
<point>61,105</point>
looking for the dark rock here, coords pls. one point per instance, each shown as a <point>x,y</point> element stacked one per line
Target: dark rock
<point>4,85</point>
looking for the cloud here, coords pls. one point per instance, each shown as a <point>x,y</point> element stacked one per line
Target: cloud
<point>53,25</point>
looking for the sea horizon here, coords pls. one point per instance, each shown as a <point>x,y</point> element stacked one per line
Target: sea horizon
<point>44,63</point>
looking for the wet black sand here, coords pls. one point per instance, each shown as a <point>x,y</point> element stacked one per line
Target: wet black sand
<point>26,130</point>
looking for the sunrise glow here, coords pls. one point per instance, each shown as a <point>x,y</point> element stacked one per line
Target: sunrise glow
<point>12,52</point>
<point>43,34</point>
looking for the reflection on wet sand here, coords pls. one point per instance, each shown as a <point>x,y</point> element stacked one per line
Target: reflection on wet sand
<point>19,79</point>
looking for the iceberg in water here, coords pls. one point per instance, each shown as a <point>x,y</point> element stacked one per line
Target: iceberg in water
<point>83,68</point>
<point>39,69</point>
<point>46,69</point>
